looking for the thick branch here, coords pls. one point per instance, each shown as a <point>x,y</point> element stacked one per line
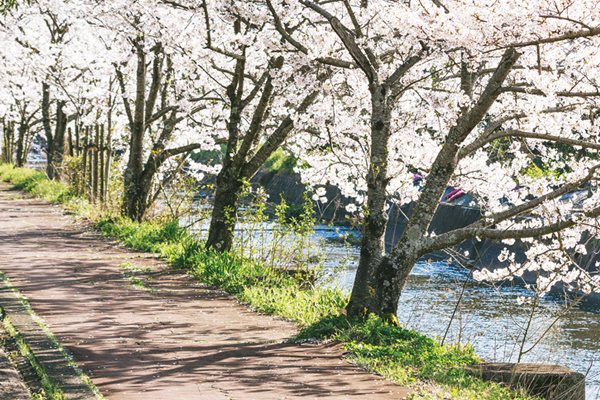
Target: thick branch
<point>405,67</point>
<point>256,123</point>
<point>182,149</point>
<point>159,114</point>
<point>530,135</point>
<point>457,236</point>
<point>300,47</point>
<point>156,81</point>
<point>276,139</point>
<point>347,39</point>
<point>125,100</point>
<point>566,36</point>
<point>538,92</point>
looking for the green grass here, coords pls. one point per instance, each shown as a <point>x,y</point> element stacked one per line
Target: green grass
<point>406,356</point>
<point>35,182</point>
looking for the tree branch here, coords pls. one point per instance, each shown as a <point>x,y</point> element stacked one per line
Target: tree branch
<point>347,39</point>
<point>530,135</point>
<point>209,39</point>
<point>300,47</point>
<point>275,140</point>
<point>125,101</point>
<point>475,229</point>
<point>566,36</point>
<point>538,92</point>
<point>156,80</point>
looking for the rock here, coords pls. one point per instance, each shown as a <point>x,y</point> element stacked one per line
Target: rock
<point>543,380</point>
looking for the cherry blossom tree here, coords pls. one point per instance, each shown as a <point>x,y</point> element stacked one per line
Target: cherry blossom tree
<point>20,98</point>
<point>259,89</point>
<point>436,88</point>
<point>152,48</point>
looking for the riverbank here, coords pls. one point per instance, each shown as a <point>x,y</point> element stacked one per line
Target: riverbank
<point>402,355</point>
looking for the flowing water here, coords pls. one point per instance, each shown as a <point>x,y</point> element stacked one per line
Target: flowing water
<point>488,318</point>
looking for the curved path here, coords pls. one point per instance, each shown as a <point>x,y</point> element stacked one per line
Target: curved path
<point>180,340</point>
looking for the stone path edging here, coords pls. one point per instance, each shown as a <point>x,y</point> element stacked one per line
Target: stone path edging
<point>43,348</point>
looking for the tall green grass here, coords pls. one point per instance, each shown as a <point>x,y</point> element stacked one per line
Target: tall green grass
<point>35,182</point>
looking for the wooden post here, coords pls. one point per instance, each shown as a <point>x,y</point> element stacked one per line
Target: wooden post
<point>108,154</point>
<point>77,144</point>
<point>95,164</point>
<point>102,150</point>
<point>70,142</point>
<point>84,161</point>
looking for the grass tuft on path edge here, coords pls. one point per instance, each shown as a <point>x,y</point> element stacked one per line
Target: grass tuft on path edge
<point>404,356</point>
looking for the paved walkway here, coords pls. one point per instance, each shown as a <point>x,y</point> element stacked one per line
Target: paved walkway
<point>185,341</point>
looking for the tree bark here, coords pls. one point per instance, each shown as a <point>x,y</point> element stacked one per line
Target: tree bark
<point>393,272</point>
<point>56,142</point>
<point>224,215</point>
<point>21,155</point>
<point>132,203</point>
<point>373,240</point>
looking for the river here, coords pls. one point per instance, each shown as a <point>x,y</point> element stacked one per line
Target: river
<point>488,317</point>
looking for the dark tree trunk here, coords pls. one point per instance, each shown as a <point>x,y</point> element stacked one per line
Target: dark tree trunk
<point>133,206</point>
<point>56,143</point>
<point>21,155</point>
<point>373,241</point>
<point>224,215</point>
<point>136,200</point>
<point>7,143</point>
<point>101,153</point>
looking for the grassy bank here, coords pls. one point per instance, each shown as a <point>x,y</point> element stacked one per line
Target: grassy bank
<point>402,355</point>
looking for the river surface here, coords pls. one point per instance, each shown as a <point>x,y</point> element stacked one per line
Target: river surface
<point>488,318</point>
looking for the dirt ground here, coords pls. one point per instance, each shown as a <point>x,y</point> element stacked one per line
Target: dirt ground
<point>180,340</point>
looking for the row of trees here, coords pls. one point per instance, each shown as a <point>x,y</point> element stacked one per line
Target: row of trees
<point>365,92</point>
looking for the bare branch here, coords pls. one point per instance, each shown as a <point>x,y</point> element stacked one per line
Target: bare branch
<point>300,47</point>
<point>209,39</point>
<point>125,100</point>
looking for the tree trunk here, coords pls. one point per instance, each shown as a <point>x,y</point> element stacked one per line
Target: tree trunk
<point>373,242</point>
<point>56,147</point>
<point>133,206</point>
<point>394,270</point>
<point>135,200</point>
<point>21,142</point>
<point>95,166</point>
<point>7,143</point>
<point>224,215</point>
